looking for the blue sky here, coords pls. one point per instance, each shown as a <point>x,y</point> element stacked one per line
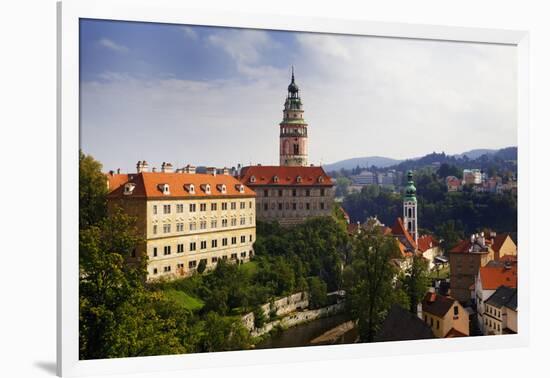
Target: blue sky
<point>214,96</point>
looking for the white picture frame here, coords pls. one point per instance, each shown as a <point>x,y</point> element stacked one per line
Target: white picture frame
<point>172,11</point>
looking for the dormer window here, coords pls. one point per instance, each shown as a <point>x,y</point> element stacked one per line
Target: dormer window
<point>275,178</point>
<point>165,189</point>
<point>320,179</point>
<point>240,188</point>
<point>222,188</point>
<point>189,188</point>
<point>206,188</point>
<point>129,188</point>
<point>252,178</point>
<point>299,179</point>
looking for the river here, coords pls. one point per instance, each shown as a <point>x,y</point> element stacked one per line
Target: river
<point>301,335</point>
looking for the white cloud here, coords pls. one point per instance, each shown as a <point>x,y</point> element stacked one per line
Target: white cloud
<point>248,49</point>
<point>189,32</point>
<point>112,45</point>
<point>404,98</point>
<point>362,96</point>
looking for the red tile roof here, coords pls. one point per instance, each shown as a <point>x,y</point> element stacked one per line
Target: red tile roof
<point>403,249</point>
<point>147,185</point>
<point>398,229</point>
<point>436,304</point>
<point>353,228</point>
<point>114,180</point>
<point>344,212</point>
<point>452,180</point>
<point>283,176</point>
<point>426,242</point>
<point>462,247</point>
<point>494,276</point>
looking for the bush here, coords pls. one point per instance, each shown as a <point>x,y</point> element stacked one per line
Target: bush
<point>202,266</point>
<point>317,292</point>
<point>259,317</point>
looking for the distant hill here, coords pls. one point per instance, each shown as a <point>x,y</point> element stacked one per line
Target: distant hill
<point>379,161</point>
<point>481,158</point>
<point>474,154</point>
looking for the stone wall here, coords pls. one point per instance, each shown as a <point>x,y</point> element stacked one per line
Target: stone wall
<point>281,307</point>
<point>298,318</point>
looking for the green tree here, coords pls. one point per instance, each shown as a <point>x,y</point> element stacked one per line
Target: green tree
<point>342,185</point>
<point>450,233</point>
<point>448,170</point>
<point>259,316</point>
<point>202,266</point>
<point>224,333</point>
<point>118,316</point>
<point>317,292</point>
<point>92,187</point>
<point>415,281</point>
<point>369,281</point>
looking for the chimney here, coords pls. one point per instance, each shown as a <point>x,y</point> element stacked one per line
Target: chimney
<point>225,171</point>
<point>142,166</point>
<point>189,169</point>
<point>154,169</point>
<point>211,171</point>
<point>166,168</point>
<point>118,171</point>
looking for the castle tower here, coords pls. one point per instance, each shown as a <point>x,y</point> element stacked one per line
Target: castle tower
<point>410,214</point>
<point>293,130</point>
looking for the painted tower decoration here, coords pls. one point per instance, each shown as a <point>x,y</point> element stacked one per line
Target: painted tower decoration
<point>410,214</point>
<point>293,135</point>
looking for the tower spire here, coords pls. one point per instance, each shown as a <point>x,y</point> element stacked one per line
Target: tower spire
<point>410,213</point>
<point>293,135</point>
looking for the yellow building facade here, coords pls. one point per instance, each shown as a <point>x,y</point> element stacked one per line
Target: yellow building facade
<point>186,218</point>
<point>445,316</point>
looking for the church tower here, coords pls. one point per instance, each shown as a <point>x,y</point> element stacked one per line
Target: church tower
<point>293,130</point>
<point>410,214</point>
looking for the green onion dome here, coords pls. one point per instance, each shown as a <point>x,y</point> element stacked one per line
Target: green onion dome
<point>410,189</point>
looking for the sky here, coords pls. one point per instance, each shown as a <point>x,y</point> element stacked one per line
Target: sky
<point>214,96</point>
